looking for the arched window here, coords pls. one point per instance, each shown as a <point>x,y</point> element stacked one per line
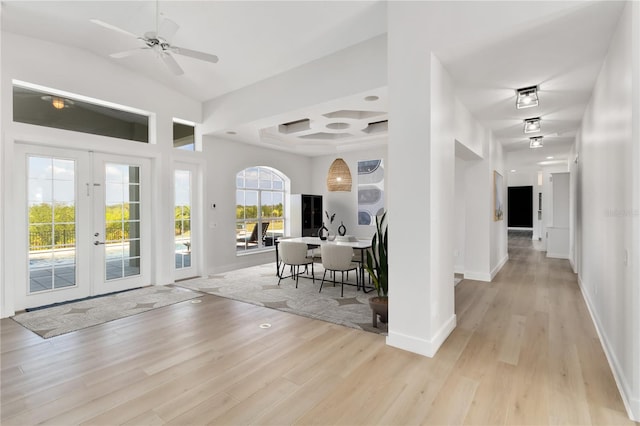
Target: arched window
<point>260,204</point>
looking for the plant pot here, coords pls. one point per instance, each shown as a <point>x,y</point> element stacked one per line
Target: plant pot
<point>379,307</point>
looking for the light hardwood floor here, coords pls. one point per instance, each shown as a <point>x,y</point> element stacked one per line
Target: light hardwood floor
<point>524,352</point>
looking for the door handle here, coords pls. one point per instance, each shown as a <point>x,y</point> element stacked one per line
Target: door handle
<point>97,243</point>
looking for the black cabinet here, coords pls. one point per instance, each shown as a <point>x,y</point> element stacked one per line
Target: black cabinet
<point>306,215</point>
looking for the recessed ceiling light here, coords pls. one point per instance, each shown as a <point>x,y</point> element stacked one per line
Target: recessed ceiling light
<point>535,142</point>
<point>550,157</point>
<point>527,97</point>
<point>513,170</point>
<point>338,126</point>
<point>532,125</point>
<point>231,132</point>
<point>371,98</point>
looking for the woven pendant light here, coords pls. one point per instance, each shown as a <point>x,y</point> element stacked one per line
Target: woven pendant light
<point>339,177</point>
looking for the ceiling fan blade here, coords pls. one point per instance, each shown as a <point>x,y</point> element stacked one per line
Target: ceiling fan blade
<point>167,29</point>
<point>126,53</point>
<point>195,54</point>
<point>171,63</point>
<point>112,27</point>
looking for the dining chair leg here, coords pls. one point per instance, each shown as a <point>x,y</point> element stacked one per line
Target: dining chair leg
<point>297,275</point>
<point>323,275</point>
<point>313,277</point>
<point>280,274</point>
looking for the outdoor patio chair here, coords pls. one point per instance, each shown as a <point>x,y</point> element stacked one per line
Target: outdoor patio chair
<point>253,238</point>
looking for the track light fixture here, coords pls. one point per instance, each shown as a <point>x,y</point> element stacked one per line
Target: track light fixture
<point>532,125</point>
<point>527,97</point>
<point>535,142</point>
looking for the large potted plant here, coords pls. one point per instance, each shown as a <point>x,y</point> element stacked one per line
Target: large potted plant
<point>378,268</point>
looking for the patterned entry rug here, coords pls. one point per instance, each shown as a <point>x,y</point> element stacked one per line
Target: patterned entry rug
<point>259,285</point>
<point>74,316</point>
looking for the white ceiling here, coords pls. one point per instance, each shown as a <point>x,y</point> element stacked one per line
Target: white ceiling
<point>562,52</point>
<point>253,39</point>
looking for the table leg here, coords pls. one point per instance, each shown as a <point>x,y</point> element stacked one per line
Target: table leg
<point>278,274</point>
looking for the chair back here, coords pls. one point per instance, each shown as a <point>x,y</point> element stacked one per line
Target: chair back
<point>293,252</point>
<point>336,257</point>
<point>253,238</point>
<point>265,226</point>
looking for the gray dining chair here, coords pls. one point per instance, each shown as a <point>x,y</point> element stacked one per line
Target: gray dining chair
<point>337,258</point>
<point>294,254</point>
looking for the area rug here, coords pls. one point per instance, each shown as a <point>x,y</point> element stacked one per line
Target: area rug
<point>70,317</point>
<point>258,285</point>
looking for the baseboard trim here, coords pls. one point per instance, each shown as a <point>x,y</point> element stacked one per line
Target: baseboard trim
<point>631,404</point>
<point>420,346</point>
<point>558,255</point>
<point>499,266</point>
<point>573,266</point>
<point>477,276</point>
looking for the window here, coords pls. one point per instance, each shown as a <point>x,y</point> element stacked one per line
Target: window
<point>46,107</point>
<point>52,223</point>
<point>184,135</point>
<point>260,195</point>
<point>182,221</point>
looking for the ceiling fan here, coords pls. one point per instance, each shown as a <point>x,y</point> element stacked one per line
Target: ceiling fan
<point>158,41</point>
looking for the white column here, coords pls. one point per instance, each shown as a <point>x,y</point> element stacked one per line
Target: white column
<point>421,185</point>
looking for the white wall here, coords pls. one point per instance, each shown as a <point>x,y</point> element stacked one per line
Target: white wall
<point>486,240</point>
<point>607,213</point>
<point>498,231</point>
<point>31,60</point>
<point>423,129</point>
<point>558,227</point>
<point>479,219</point>
<point>460,208</point>
<point>478,235</point>
<point>469,132</point>
<point>345,204</point>
<point>224,160</point>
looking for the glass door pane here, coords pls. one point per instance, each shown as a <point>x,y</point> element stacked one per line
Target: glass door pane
<point>182,214</point>
<point>122,221</point>
<point>52,223</point>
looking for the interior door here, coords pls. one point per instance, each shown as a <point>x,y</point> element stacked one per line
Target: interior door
<point>65,198</point>
<point>121,225</point>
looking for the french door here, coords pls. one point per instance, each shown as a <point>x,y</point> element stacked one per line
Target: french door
<point>85,221</point>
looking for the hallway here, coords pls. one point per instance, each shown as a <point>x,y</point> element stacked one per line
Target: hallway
<point>524,352</point>
<point>536,345</point>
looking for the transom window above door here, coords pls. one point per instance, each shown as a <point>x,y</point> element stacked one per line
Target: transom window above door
<point>40,106</point>
<point>260,205</point>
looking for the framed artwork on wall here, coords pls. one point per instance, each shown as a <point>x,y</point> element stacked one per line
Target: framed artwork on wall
<point>370,191</point>
<point>498,196</point>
